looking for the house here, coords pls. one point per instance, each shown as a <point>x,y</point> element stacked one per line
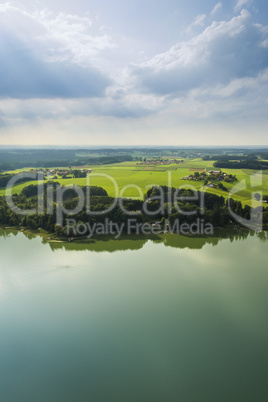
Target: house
<point>214,172</point>
<point>211,185</point>
<point>62,173</point>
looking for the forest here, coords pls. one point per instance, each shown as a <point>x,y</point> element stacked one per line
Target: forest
<point>216,209</point>
<point>242,164</point>
<point>18,159</point>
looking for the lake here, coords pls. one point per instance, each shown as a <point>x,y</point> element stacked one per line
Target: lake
<point>160,319</point>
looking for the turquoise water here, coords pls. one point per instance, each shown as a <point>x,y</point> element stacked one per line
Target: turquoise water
<point>171,319</point>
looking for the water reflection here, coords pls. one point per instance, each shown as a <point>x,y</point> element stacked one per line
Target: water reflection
<point>124,243</point>
<point>170,322</point>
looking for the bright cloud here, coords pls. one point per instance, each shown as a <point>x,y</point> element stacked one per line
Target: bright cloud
<point>199,21</point>
<point>217,7</point>
<point>214,55</point>
<point>241,3</point>
<point>72,36</point>
<point>76,65</point>
<point>61,37</point>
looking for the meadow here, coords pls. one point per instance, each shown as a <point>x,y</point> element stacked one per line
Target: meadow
<point>131,179</point>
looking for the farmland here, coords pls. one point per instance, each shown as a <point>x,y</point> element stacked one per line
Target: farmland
<point>132,179</point>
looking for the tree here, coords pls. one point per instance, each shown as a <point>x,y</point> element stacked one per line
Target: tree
<point>222,187</point>
<point>257,196</point>
<point>265,218</point>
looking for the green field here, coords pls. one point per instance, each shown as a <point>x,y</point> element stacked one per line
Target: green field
<point>130,179</point>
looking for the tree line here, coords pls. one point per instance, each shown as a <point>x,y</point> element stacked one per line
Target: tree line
<point>242,164</point>
<point>216,209</point>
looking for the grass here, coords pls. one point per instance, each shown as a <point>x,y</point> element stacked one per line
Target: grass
<point>130,175</point>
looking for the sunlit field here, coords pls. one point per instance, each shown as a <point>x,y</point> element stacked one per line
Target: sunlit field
<point>132,179</point>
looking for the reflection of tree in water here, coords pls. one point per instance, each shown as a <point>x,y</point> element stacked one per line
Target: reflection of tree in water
<point>263,236</point>
<point>198,242</point>
<point>106,244</point>
<point>8,232</point>
<point>133,242</point>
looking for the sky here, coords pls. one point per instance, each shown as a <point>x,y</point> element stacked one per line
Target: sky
<point>134,72</point>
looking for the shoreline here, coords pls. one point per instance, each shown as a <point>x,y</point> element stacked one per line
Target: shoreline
<point>52,238</point>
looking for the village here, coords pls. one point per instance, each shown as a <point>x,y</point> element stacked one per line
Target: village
<point>159,162</point>
<point>72,172</point>
<point>211,178</point>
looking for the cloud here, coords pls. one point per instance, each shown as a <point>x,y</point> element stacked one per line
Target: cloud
<point>122,107</point>
<point>265,43</point>
<point>198,22</point>
<point>51,69</point>
<point>241,3</point>
<point>263,29</point>
<point>224,51</point>
<point>26,76</point>
<point>239,100</point>
<point>63,37</point>
<point>217,7</point>
<point>71,33</point>
<point>240,87</point>
<point>42,57</point>
<point>60,69</point>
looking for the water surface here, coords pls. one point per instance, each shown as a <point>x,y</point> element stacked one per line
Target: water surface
<point>163,319</point>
